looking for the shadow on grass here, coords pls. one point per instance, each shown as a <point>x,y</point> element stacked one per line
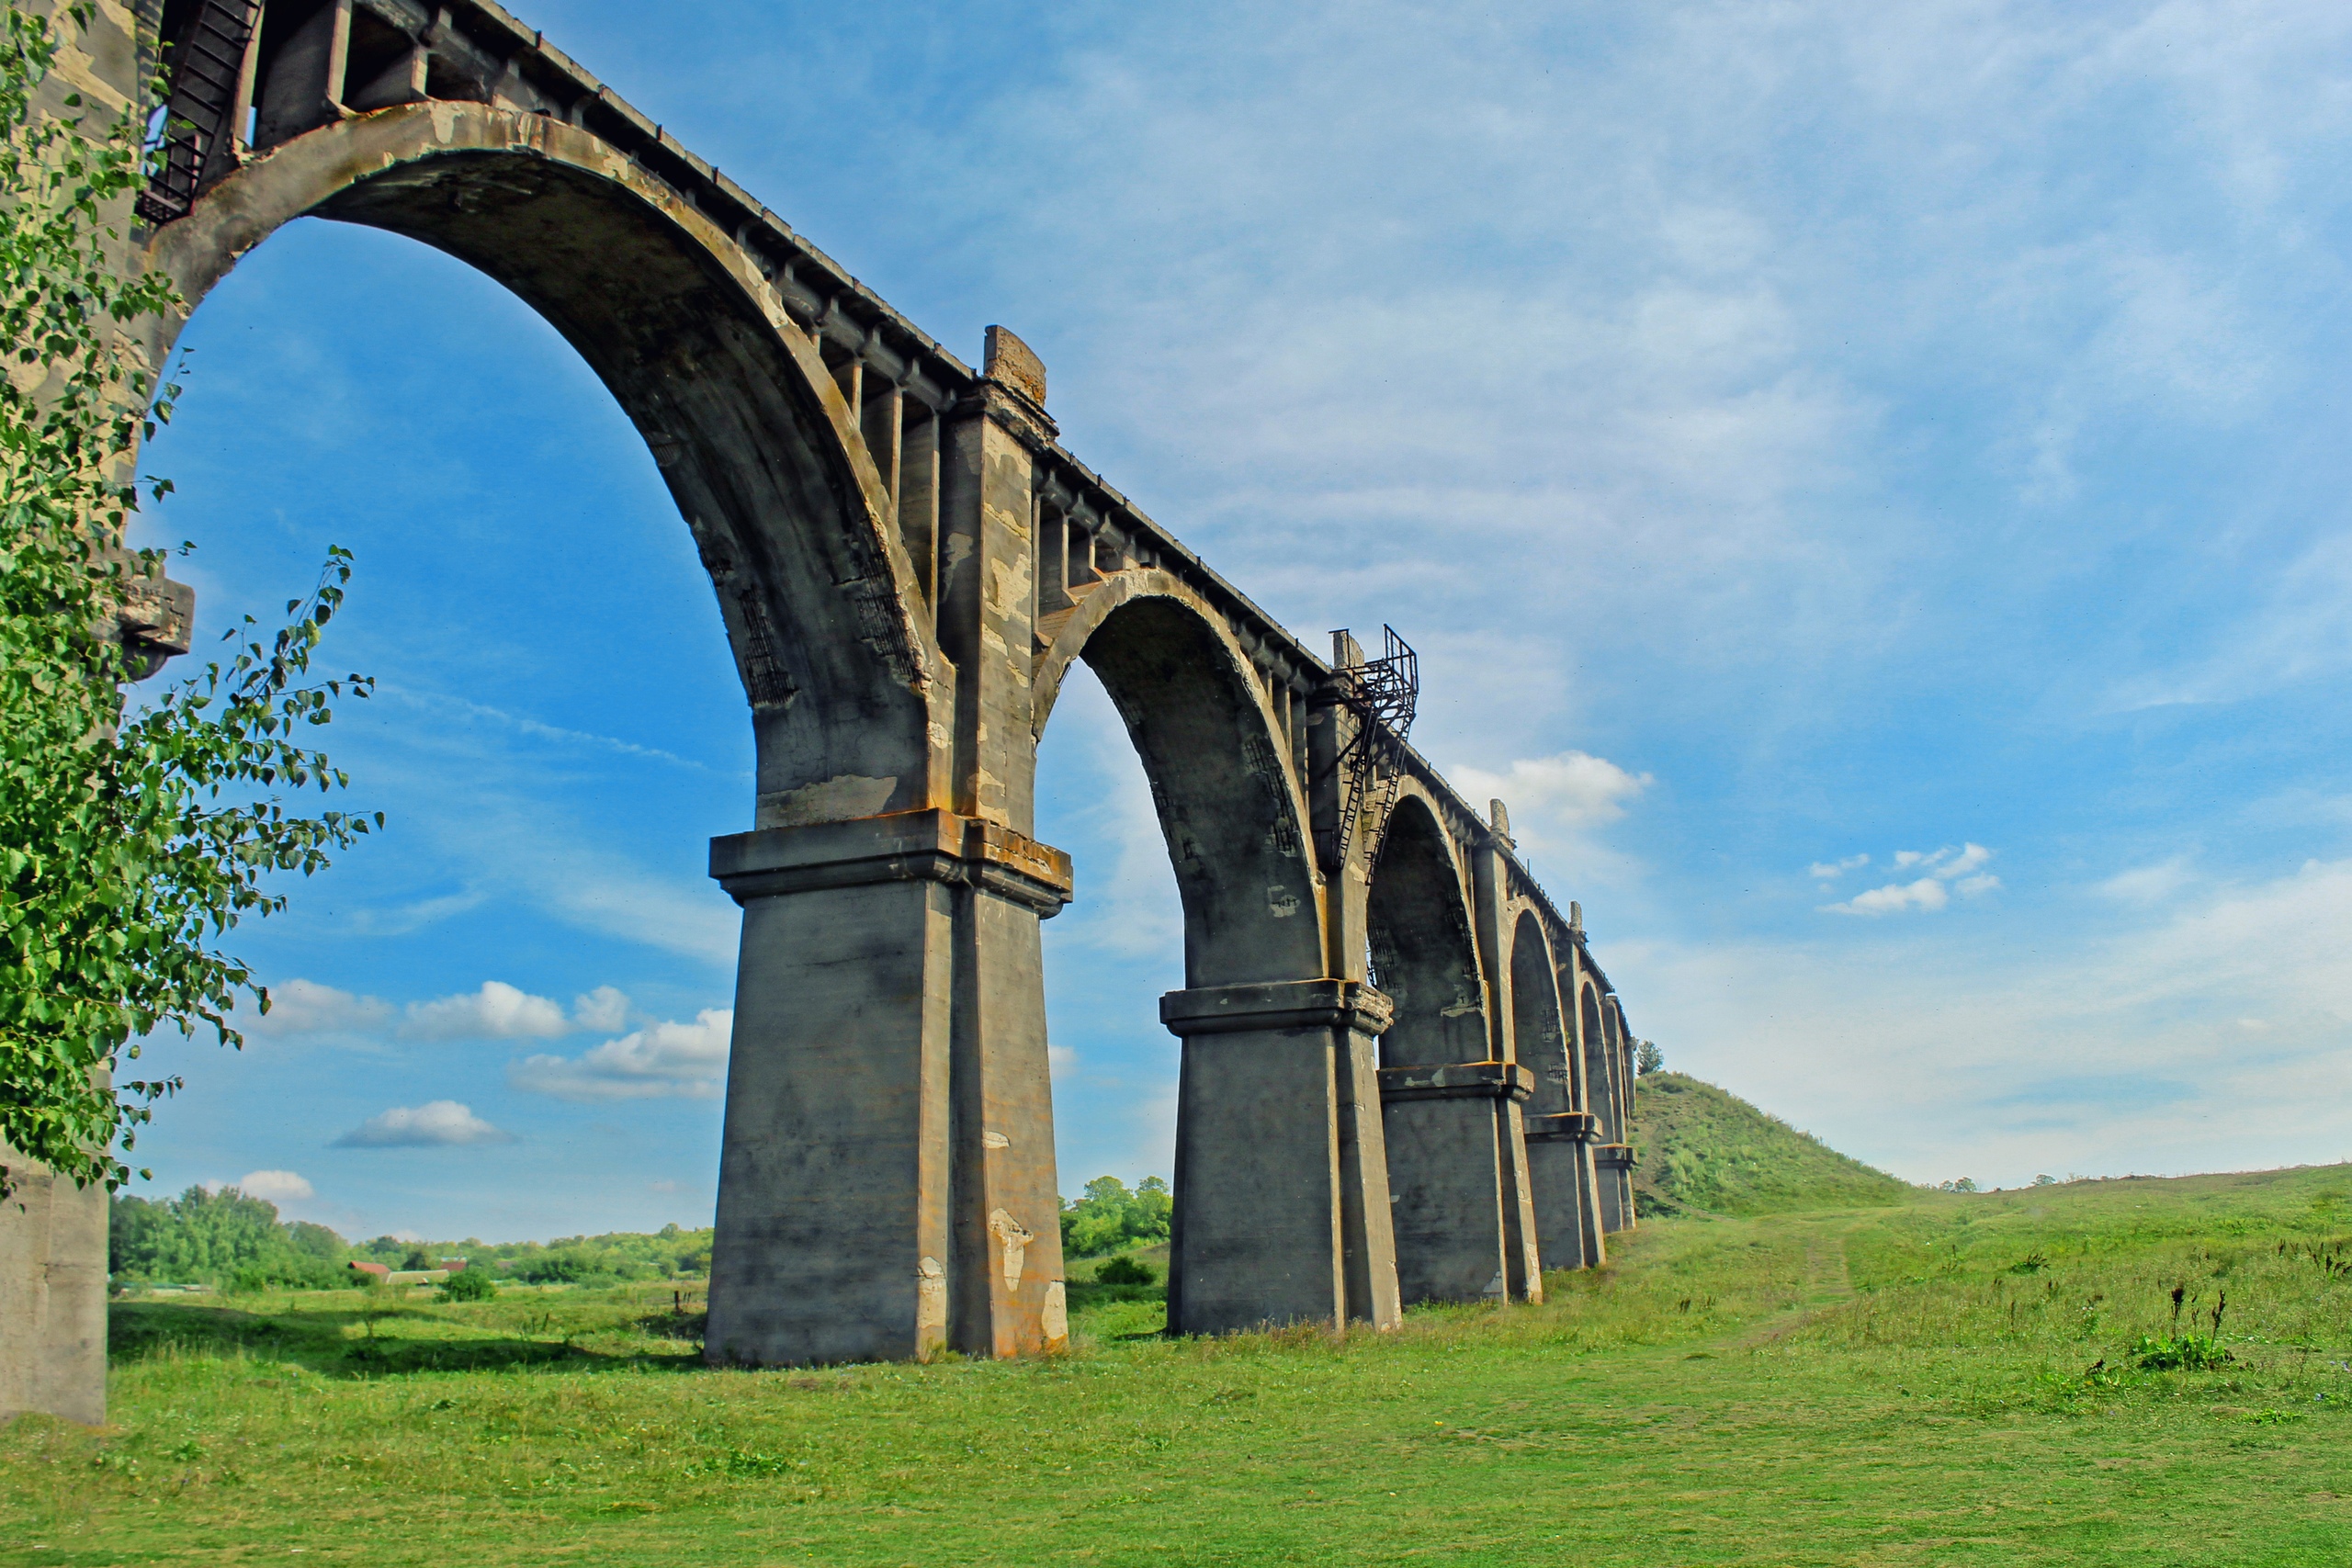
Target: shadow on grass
<point>318,1341</point>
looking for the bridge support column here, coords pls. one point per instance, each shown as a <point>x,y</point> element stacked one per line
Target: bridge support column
<point>1449,1129</point>
<point>52,1295</point>
<point>886,1179</point>
<point>1522,1271</point>
<point>1568,1204</point>
<point>1281,1191</point>
<point>1614,1163</point>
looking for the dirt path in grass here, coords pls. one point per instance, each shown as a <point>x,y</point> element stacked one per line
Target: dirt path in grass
<point>1827,1283</point>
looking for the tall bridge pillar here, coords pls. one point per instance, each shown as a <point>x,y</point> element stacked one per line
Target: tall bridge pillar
<point>886,1183</point>
<point>1282,1177</point>
<point>1496,940</point>
<point>886,1186</point>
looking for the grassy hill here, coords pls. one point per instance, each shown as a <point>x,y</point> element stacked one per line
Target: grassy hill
<point>1708,1151</point>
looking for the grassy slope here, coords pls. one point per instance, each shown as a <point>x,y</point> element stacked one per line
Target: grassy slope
<point>1893,1384</point>
<point>1705,1150</point>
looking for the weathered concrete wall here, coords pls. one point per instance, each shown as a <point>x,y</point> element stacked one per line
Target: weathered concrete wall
<point>886,1180</point>
<point>1521,1252</point>
<point>53,1295</point>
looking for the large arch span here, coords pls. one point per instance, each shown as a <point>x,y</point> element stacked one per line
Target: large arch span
<point>907,562</point>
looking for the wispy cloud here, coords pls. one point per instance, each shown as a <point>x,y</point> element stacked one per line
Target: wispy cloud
<point>496,1010</point>
<point>1908,1055</point>
<point>2148,884</point>
<point>445,706</point>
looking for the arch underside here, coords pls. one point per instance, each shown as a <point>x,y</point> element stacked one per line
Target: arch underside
<point>1537,1040</point>
<point>1422,949</point>
<point>1601,1078</point>
<point>1224,799</point>
<point>839,665</point>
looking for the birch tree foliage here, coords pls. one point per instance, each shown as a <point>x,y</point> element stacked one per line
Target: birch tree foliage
<point>132,839</point>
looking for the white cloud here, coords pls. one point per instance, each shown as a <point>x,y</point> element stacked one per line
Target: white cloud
<point>497,1011</point>
<point>305,1006</point>
<point>1827,871</point>
<point>276,1185</point>
<point>1946,868</point>
<point>433,1124</point>
<point>687,1060</point>
<point>1558,805</point>
<point>1925,894</point>
<point>603,1009</point>
<point>1572,791</point>
<point>1060,1061</point>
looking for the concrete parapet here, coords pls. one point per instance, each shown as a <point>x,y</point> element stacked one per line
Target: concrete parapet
<point>1282,1199</point>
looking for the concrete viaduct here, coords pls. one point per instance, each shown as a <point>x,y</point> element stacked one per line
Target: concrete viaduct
<point>1404,1077</point>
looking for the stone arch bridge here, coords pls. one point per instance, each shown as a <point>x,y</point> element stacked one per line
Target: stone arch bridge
<point>1404,1077</point>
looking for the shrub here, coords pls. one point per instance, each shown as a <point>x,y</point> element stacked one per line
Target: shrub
<point>1126,1271</point>
<point>468,1285</point>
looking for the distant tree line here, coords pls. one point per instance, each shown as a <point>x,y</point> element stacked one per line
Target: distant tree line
<point>220,1238</point>
<point>225,1238</point>
<point>1111,1219</point>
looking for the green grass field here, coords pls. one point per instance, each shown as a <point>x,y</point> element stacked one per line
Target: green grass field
<point>1951,1379</point>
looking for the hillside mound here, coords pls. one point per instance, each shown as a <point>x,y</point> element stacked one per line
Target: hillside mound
<point>1704,1149</point>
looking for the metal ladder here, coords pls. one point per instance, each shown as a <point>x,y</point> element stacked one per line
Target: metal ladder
<point>197,135</point>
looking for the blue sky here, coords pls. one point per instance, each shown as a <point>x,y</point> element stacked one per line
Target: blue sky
<point>1789,434</point>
